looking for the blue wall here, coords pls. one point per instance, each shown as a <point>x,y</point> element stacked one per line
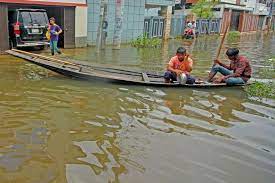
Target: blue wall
<point>133,18</point>
<point>177,25</point>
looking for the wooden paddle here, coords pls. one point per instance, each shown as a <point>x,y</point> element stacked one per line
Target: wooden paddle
<point>219,49</point>
<point>222,41</point>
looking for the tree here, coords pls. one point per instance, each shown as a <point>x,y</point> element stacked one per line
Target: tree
<point>204,8</point>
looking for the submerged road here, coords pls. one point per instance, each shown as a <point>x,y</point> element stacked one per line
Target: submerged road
<point>58,130</point>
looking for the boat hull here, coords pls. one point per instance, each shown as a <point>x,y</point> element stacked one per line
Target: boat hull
<point>112,75</point>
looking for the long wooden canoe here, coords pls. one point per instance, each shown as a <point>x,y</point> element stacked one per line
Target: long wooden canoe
<point>92,73</point>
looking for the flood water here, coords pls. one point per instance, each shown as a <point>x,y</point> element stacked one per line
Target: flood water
<point>59,130</point>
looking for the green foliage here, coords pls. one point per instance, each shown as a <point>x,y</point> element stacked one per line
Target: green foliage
<point>264,90</point>
<point>261,90</point>
<point>204,8</point>
<point>178,37</point>
<point>233,36</point>
<point>144,41</point>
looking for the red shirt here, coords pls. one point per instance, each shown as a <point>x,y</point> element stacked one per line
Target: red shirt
<point>241,68</point>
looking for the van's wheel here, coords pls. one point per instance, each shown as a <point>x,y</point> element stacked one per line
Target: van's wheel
<point>41,47</point>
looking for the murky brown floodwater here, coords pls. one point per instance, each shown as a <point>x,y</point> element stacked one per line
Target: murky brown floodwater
<point>56,130</point>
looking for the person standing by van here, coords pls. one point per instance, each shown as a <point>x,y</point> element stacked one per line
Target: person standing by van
<point>54,30</point>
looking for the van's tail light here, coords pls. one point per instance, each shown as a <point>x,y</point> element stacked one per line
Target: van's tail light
<point>16,28</point>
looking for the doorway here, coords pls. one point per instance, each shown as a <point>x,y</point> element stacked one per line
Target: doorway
<point>65,18</point>
<point>235,19</point>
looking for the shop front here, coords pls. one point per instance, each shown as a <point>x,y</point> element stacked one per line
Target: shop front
<point>71,15</point>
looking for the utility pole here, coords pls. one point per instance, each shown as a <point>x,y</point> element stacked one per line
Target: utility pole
<point>101,30</point>
<point>166,12</point>
<point>118,24</point>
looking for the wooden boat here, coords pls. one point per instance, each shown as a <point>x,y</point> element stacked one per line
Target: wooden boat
<point>92,73</point>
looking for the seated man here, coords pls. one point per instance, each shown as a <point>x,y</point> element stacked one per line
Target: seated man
<point>188,33</point>
<point>238,72</point>
<point>179,64</point>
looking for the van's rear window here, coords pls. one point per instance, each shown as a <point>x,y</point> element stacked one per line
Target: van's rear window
<point>29,18</point>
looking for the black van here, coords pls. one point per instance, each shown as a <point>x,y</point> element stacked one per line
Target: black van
<point>28,27</point>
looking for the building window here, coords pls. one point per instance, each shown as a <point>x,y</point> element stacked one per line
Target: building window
<point>155,29</point>
<point>213,27</point>
<point>205,26</point>
<point>146,27</point>
<point>161,28</point>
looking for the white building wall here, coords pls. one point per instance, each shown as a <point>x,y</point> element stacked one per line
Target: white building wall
<point>229,1</point>
<point>258,8</point>
<point>250,3</point>
<point>81,14</point>
<point>261,9</point>
<point>81,23</point>
<point>151,12</point>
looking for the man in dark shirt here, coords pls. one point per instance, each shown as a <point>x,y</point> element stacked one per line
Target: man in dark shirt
<point>238,72</point>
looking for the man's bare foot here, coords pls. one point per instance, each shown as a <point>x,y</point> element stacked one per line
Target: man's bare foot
<point>211,77</point>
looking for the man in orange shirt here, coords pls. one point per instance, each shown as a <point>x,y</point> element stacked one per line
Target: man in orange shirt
<point>179,64</point>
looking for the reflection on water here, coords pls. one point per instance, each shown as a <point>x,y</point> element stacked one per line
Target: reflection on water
<point>54,129</point>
